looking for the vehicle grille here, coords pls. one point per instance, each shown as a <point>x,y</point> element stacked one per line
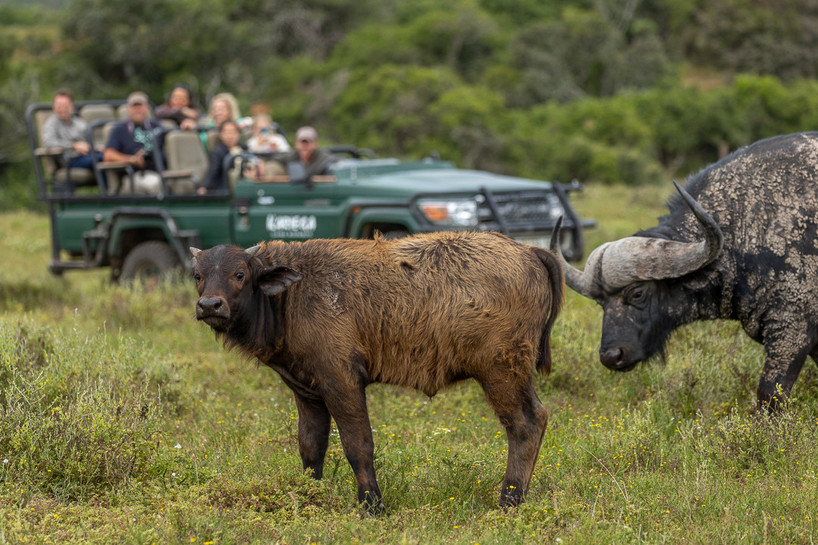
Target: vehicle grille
<point>520,211</point>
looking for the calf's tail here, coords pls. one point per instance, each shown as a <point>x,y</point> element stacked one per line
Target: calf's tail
<point>556,280</point>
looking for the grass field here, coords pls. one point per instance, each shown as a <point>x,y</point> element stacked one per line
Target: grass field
<point>122,420</point>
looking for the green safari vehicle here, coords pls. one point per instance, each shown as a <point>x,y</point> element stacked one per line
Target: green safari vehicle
<point>150,235</point>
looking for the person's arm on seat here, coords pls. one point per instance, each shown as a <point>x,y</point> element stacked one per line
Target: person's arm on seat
<point>112,155</point>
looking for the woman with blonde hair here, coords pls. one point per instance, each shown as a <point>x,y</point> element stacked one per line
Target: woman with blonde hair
<point>223,104</point>
<point>223,107</point>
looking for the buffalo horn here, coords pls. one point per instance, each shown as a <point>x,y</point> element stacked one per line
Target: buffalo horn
<point>616,264</point>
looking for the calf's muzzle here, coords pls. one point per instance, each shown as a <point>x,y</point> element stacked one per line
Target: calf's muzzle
<point>212,310</point>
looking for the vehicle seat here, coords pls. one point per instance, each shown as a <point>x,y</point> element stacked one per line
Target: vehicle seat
<point>212,138</point>
<point>96,112</point>
<point>185,160</point>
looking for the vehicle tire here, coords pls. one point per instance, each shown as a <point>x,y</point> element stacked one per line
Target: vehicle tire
<point>149,260</point>
<point>395,233</point>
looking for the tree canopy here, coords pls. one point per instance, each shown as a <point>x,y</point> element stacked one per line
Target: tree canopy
<point>601,90</point>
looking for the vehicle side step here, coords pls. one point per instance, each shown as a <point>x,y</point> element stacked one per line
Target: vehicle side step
<point>97,235</point>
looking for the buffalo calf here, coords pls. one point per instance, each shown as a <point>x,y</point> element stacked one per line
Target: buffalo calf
<point>332,316</point>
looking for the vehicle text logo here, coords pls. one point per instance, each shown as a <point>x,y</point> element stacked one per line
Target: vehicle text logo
<point>281,226</point>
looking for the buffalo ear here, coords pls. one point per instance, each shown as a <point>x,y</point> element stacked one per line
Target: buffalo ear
<point>275,280</point>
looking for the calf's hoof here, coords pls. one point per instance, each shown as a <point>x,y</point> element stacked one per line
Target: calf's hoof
<point>372,504</point>
<point>511,496</point>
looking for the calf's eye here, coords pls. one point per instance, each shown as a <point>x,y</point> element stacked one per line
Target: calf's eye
<point>240,276</point>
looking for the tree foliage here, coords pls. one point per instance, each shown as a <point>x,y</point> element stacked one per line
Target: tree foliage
<point>608,90</point>
<point>776,38</point>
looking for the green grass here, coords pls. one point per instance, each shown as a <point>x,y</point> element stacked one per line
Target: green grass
<point>122,420</point>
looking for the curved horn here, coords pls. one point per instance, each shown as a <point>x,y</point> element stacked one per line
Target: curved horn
<point>641,258</point>
<point>253,249</point>
<point>579,281</point>
<point>713,237</point>
<point>616,264</point>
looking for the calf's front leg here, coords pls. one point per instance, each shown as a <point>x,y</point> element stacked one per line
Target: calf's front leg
<point>313,433</point>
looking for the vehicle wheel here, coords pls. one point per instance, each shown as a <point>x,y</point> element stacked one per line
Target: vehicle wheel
<point>149,260</point>
<point>395,233</point>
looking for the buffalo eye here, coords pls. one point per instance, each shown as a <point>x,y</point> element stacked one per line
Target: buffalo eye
<point>197,277</point>
<point>239,276</point>
<point>637,295</point>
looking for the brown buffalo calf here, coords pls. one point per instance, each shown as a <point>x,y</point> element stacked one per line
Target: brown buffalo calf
<point>332,316</point>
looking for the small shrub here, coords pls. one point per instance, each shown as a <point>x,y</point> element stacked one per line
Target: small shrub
<point>76,417</point>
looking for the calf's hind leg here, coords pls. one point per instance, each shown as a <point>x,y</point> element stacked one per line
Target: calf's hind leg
<point>523,416</point>
<point>348,408</point>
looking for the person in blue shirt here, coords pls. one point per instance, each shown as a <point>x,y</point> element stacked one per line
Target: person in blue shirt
<point>134,141</point>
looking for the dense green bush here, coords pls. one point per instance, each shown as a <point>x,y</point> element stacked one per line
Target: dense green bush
<point>601,91</point>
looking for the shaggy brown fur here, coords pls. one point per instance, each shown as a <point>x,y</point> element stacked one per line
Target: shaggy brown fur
<point>332,316</point>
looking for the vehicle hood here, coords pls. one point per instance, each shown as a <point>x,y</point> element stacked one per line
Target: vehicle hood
<point>412,181</point>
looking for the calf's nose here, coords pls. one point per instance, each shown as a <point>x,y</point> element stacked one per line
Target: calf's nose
<point>210,306</point>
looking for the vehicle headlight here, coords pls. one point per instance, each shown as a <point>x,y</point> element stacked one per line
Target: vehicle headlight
<point>450,213</point>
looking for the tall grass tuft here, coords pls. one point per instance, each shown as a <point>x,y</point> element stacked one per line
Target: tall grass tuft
<point>79,413</point>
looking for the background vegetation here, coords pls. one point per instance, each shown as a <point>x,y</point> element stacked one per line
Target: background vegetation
<point>122,420</point>
<point>611,91</point>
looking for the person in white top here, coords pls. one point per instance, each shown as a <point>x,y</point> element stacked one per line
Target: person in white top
<point>265,138</point>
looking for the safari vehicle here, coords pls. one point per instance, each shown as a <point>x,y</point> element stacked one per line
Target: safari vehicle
<point>363,195</point>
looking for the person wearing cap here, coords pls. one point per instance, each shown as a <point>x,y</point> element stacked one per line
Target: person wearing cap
<point>313,159</point>
<point>134,141</point>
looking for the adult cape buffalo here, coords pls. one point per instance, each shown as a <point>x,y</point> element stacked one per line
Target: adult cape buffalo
<point>741,243</point>
<point>332,316</point>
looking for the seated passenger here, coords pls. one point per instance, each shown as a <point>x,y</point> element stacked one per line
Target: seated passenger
<point>179,108</point>
<point>265,138</point>
<point>221,174</point>
<point>308,157</point>
<point>223,107</point>
<point>132,141</point>
<point>63,129</point>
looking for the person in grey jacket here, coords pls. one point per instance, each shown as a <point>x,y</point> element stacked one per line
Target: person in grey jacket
<point>63,129</point>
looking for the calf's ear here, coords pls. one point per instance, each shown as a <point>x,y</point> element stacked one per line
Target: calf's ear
<point>275,280</point>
